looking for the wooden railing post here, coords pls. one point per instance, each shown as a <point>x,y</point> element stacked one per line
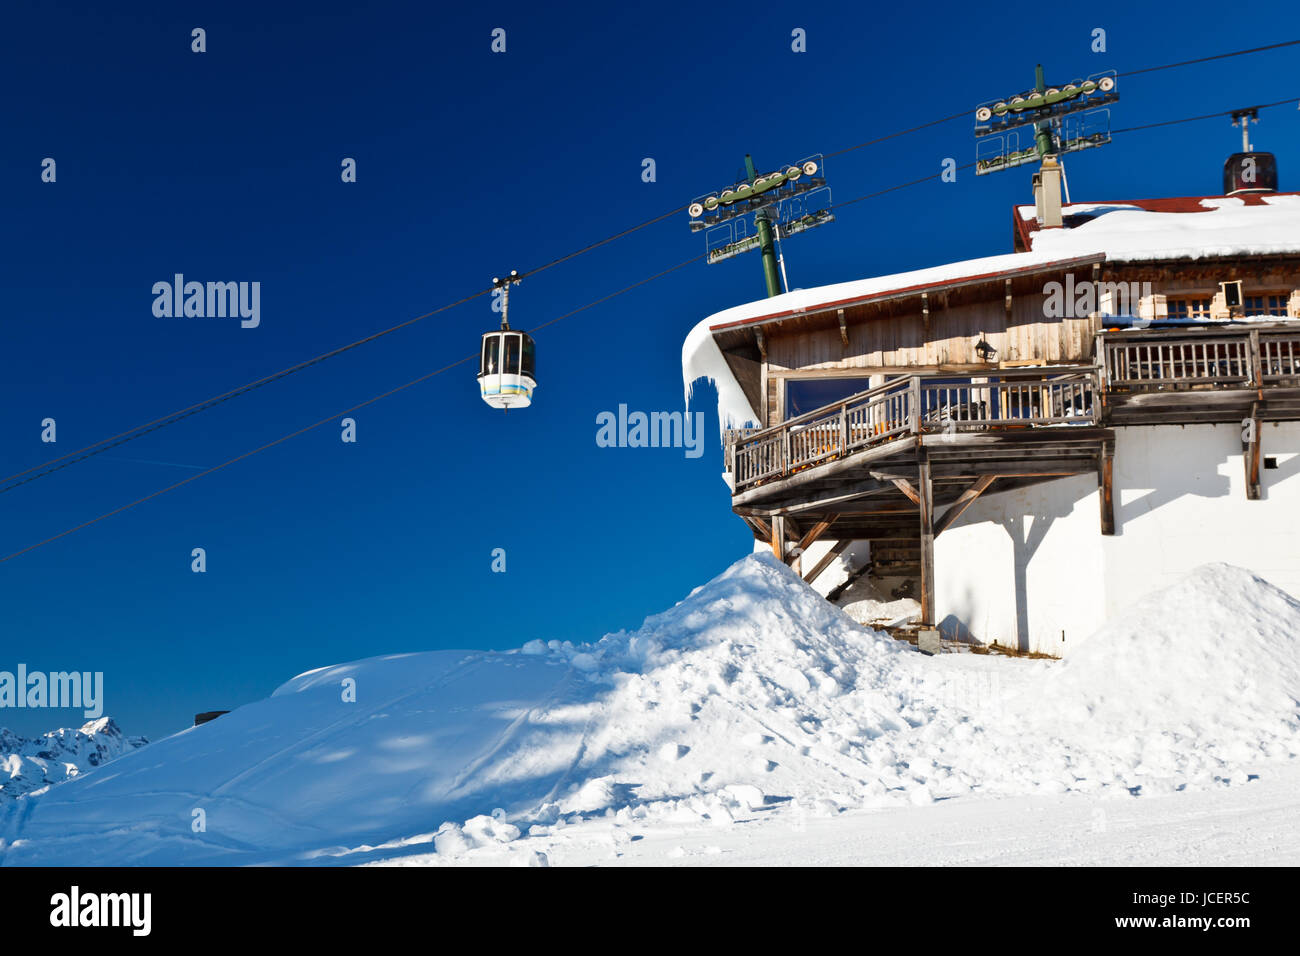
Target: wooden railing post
<point>914,403</point>
<point>1256,366</point>
<point>844,429</point>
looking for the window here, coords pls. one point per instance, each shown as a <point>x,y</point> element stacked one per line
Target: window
<point>805,394</point>
<point>530,358</point>
<point>511,363</point>
<point>1269,303</point>
<point>491,355</point>
<point>1191,308</point>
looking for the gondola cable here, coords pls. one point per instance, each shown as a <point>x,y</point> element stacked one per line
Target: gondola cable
<point>334,418</point>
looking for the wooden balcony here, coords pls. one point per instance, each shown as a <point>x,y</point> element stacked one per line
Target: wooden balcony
<point>1005,402</point>
<point>1178,377</point>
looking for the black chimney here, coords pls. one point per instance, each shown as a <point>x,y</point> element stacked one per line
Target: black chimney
<point>1250,173</point>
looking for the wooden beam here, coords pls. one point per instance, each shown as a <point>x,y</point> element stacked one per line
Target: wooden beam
<point>926,502</point>
<point>763,531</point>
<point>1106,480</point>
<point>844,329</point>
<point>925,313</point>
<point>778,537</point>
<point>908,489</point>
<point>964,501</point>
<point>815,532</point>
<point>1254,431</point>
<point>871,512</point>
<point>825,562</point>
<point>762,343</point>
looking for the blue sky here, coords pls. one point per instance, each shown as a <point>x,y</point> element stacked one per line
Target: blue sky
<point>225,166</point>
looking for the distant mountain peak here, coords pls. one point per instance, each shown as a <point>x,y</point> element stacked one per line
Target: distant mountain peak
<point>30,764</point>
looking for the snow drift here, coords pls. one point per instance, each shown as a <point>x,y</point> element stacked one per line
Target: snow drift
<point>752,694</point>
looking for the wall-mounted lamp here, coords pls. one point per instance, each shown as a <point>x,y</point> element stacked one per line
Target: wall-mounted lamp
<point>985,351</point>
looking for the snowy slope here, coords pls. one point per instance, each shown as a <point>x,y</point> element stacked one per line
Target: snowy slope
<point>751,696</point>
<point>30,764</point>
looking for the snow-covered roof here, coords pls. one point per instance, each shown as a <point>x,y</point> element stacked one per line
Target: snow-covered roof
<point>703,359</point>
<point>1185,228</point>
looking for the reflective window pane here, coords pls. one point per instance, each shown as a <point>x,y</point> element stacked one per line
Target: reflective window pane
<point>530,358</point>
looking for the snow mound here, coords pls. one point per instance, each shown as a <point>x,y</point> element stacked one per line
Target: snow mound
<point>751,696</point>
<point>1197,681</point>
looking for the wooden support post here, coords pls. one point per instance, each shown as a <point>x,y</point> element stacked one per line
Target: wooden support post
<point>964,501</point>
<point>925,313</point>
<point>793,552</point>
<point>1105,478</point>
<point>926,488</point>
<point>844,329</point>
<point>824,563</point>
<point>778,537</point>
<point>762,343</point>
<point>1251,441</point>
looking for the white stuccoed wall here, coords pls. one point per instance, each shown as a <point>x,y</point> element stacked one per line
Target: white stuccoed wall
<point>1025,565</point>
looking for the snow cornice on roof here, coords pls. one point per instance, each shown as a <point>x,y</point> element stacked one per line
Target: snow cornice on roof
<point>1170,229</point>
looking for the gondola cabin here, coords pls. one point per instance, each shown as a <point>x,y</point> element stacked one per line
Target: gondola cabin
<point>507,369</point>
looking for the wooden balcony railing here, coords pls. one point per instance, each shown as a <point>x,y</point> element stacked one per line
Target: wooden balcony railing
<point>911,405</point>
<point>1143,361</point>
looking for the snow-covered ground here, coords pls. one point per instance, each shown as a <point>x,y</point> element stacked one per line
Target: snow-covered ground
<point>754,718</point>
<point>1233,826</point>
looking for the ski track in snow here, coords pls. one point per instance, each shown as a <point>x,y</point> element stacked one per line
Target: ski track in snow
<point>752,722</point>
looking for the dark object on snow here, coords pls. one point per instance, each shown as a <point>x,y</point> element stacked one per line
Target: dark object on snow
<point>207,715</point>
